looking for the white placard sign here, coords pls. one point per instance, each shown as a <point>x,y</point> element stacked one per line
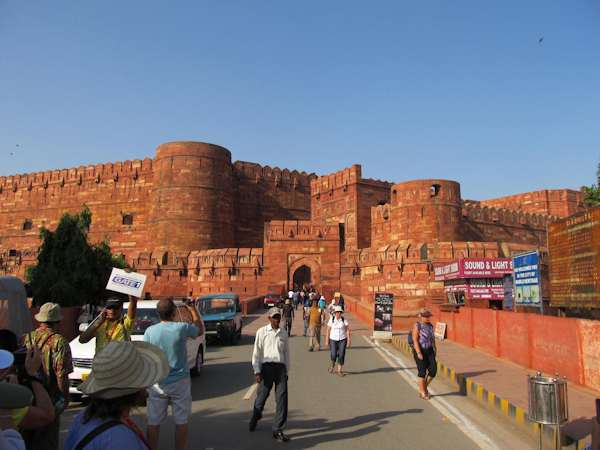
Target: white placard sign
<point>440,330</point>
<point>129,283</point>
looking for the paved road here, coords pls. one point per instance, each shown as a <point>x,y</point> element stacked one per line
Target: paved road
<point>372,407</point>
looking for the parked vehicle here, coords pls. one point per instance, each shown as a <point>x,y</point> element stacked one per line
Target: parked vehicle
<point>272,300</point>
<point>222,314</point>
<point>146,315</point>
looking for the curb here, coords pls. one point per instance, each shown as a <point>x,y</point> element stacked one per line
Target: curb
<point>491,400</point>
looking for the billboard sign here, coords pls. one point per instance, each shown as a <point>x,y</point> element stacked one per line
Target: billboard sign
<point>527,279</point>
<point>474,268</point>
<point>382,323</point>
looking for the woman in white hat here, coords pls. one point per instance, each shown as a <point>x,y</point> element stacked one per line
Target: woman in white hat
<point>338,338</point>
<point>121,372</point>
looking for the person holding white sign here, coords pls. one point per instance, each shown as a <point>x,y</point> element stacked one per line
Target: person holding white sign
<point>110,325</point>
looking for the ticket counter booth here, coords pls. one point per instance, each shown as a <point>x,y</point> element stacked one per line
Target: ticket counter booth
<point>475,282</point>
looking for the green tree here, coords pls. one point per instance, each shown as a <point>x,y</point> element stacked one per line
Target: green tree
<point>69,270</point>
<point>591,194</point>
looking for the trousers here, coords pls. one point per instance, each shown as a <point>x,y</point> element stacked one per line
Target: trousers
<point>314,337</point>
<point>273,373</point>
<point>337,351</point>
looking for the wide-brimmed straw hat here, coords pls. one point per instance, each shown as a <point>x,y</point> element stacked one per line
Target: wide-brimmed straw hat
<point>338,309</point>
<point>123,368</point>
<point>49,312</point>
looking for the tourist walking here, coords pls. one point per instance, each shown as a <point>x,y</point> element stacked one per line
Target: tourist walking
<point>315,320</point>
<point>306,313</point>
<point>287,314</point>
<point>176,389</point>
<point>322,303</point>
<point>110,325</point>
<point>56,367</point>
<point>424,351</point>
<point>271,365</point>
<point>120,374</point>
<point>338,339</point>
<point>296,299</point>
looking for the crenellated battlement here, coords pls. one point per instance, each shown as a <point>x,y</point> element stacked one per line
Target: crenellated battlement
<point>97,173</point>
<point>558,202</point>
<point>336,180</point>
<point>257,174</point>
<point>299,230</point>
<point>503,216</point>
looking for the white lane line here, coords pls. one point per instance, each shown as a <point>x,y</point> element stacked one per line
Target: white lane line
<point>453,415</point>
<point>250,392</point>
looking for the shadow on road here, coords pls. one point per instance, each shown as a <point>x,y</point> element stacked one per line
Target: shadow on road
<point>230,430</point>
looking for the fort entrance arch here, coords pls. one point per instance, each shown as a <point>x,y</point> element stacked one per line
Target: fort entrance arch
<point>304,271</point>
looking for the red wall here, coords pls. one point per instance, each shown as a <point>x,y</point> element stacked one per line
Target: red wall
<point>569,347</point>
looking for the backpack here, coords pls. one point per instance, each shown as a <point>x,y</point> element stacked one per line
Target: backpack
<point>409,338</point>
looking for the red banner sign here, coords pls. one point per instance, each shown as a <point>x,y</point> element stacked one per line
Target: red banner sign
<point>474,268</point>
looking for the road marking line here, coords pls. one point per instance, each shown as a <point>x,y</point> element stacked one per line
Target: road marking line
<point>250,392</point>
<point>447,410</point>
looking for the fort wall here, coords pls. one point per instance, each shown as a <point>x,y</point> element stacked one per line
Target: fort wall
<point>552,202</point>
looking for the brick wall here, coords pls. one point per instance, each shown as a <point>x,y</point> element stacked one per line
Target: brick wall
<point>552,202</point>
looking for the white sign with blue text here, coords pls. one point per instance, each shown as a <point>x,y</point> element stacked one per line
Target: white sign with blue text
<point>129,283</point>
<point>527,279</point>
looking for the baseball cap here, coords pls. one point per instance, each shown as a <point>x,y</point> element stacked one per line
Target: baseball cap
<point>274,311</point>
<point>6,359</point>
<point>114,302</point>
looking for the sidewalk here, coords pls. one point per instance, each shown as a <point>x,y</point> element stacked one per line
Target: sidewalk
<point>508,381</point>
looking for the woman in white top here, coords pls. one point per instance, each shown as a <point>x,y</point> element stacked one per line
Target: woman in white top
<point>338,338</point>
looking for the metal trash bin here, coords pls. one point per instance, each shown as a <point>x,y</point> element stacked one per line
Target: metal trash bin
<point>548,401</point>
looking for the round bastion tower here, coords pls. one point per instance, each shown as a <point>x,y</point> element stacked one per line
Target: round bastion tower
<point>426,210</point>
<point>192,197</point>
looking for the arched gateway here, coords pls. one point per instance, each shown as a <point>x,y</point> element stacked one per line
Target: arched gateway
<point>305,271</point>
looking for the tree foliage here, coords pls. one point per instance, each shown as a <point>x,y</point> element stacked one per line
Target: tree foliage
<point>592,193</point>
<point>69,270</point>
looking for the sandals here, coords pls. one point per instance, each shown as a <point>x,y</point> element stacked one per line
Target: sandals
<point>424,396</point>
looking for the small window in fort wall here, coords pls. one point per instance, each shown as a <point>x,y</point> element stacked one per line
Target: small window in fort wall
<point>342,237</point>
<point>127,219</point>
<point>394,195</point>
<point>434,190</point>
<point>12,252</point>
<point>27,225</point>
<point>165,259</point>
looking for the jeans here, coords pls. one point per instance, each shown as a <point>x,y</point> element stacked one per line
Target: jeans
<point>305,326</point>
<point>337,351</point>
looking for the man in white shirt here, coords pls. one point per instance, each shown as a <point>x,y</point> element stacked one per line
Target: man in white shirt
<point>271,364</point>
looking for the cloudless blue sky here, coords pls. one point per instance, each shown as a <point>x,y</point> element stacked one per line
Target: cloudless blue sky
<point>437,89</point>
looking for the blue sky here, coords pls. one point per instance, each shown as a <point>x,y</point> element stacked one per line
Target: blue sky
<point>438,89</point>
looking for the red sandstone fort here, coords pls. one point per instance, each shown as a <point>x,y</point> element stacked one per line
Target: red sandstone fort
<point>193,221</point>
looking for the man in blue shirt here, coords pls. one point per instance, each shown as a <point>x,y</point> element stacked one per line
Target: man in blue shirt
<point>171,337</point>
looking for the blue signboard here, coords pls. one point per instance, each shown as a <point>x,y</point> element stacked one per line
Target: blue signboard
<point>527,279</point>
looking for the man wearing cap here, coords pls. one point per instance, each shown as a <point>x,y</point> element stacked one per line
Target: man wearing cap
<point>56,367</point>
<point>271,364</point>
<point>110,325</point>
